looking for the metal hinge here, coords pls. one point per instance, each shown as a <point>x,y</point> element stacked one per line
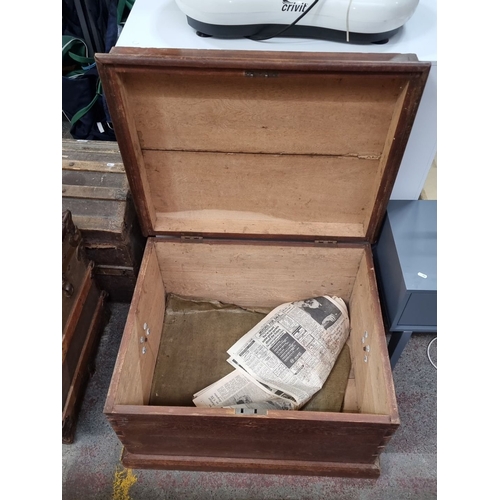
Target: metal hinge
<point>323,243</point>
<point>192,239</point>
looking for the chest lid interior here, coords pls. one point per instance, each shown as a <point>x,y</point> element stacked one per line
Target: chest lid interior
<point>281,145</point>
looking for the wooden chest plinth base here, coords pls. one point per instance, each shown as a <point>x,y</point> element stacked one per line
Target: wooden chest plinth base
<point>217,464</point>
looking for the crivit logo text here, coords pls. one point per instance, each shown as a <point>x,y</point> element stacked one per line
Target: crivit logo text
<point>293,6</point>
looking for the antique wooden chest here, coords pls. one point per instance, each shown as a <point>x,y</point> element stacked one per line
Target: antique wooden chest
<point>259,178</point>
<point>83,318</point>
<point>96,191</point>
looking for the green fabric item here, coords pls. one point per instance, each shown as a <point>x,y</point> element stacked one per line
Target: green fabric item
<point>121,10</point>
<point>192,353</point>
<point>74,59</point>
<point>87,108</point>
<point>74,56</point>
<point>331,395</point>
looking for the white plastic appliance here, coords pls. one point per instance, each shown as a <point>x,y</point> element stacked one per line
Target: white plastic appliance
<point>358,21</point>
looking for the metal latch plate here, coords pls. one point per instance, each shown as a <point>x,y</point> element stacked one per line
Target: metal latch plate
<point>249,411</point>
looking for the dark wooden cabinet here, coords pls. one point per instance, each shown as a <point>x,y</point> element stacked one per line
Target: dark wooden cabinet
<point>96,191</point>
<point>406,263</point>
<point>84,315</point>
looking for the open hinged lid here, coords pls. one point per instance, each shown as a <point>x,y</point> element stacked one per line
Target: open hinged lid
<point>282,145</point>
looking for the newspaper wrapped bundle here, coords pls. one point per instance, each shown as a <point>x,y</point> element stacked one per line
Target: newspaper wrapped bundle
<point>283,360</point>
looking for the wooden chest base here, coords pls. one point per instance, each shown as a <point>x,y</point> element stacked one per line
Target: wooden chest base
<point>217,464</point>
<point>345,443</point>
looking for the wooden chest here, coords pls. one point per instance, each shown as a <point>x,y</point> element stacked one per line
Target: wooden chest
<point>83,318</point>
<point>96,191</point>
<point>259,178</point>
